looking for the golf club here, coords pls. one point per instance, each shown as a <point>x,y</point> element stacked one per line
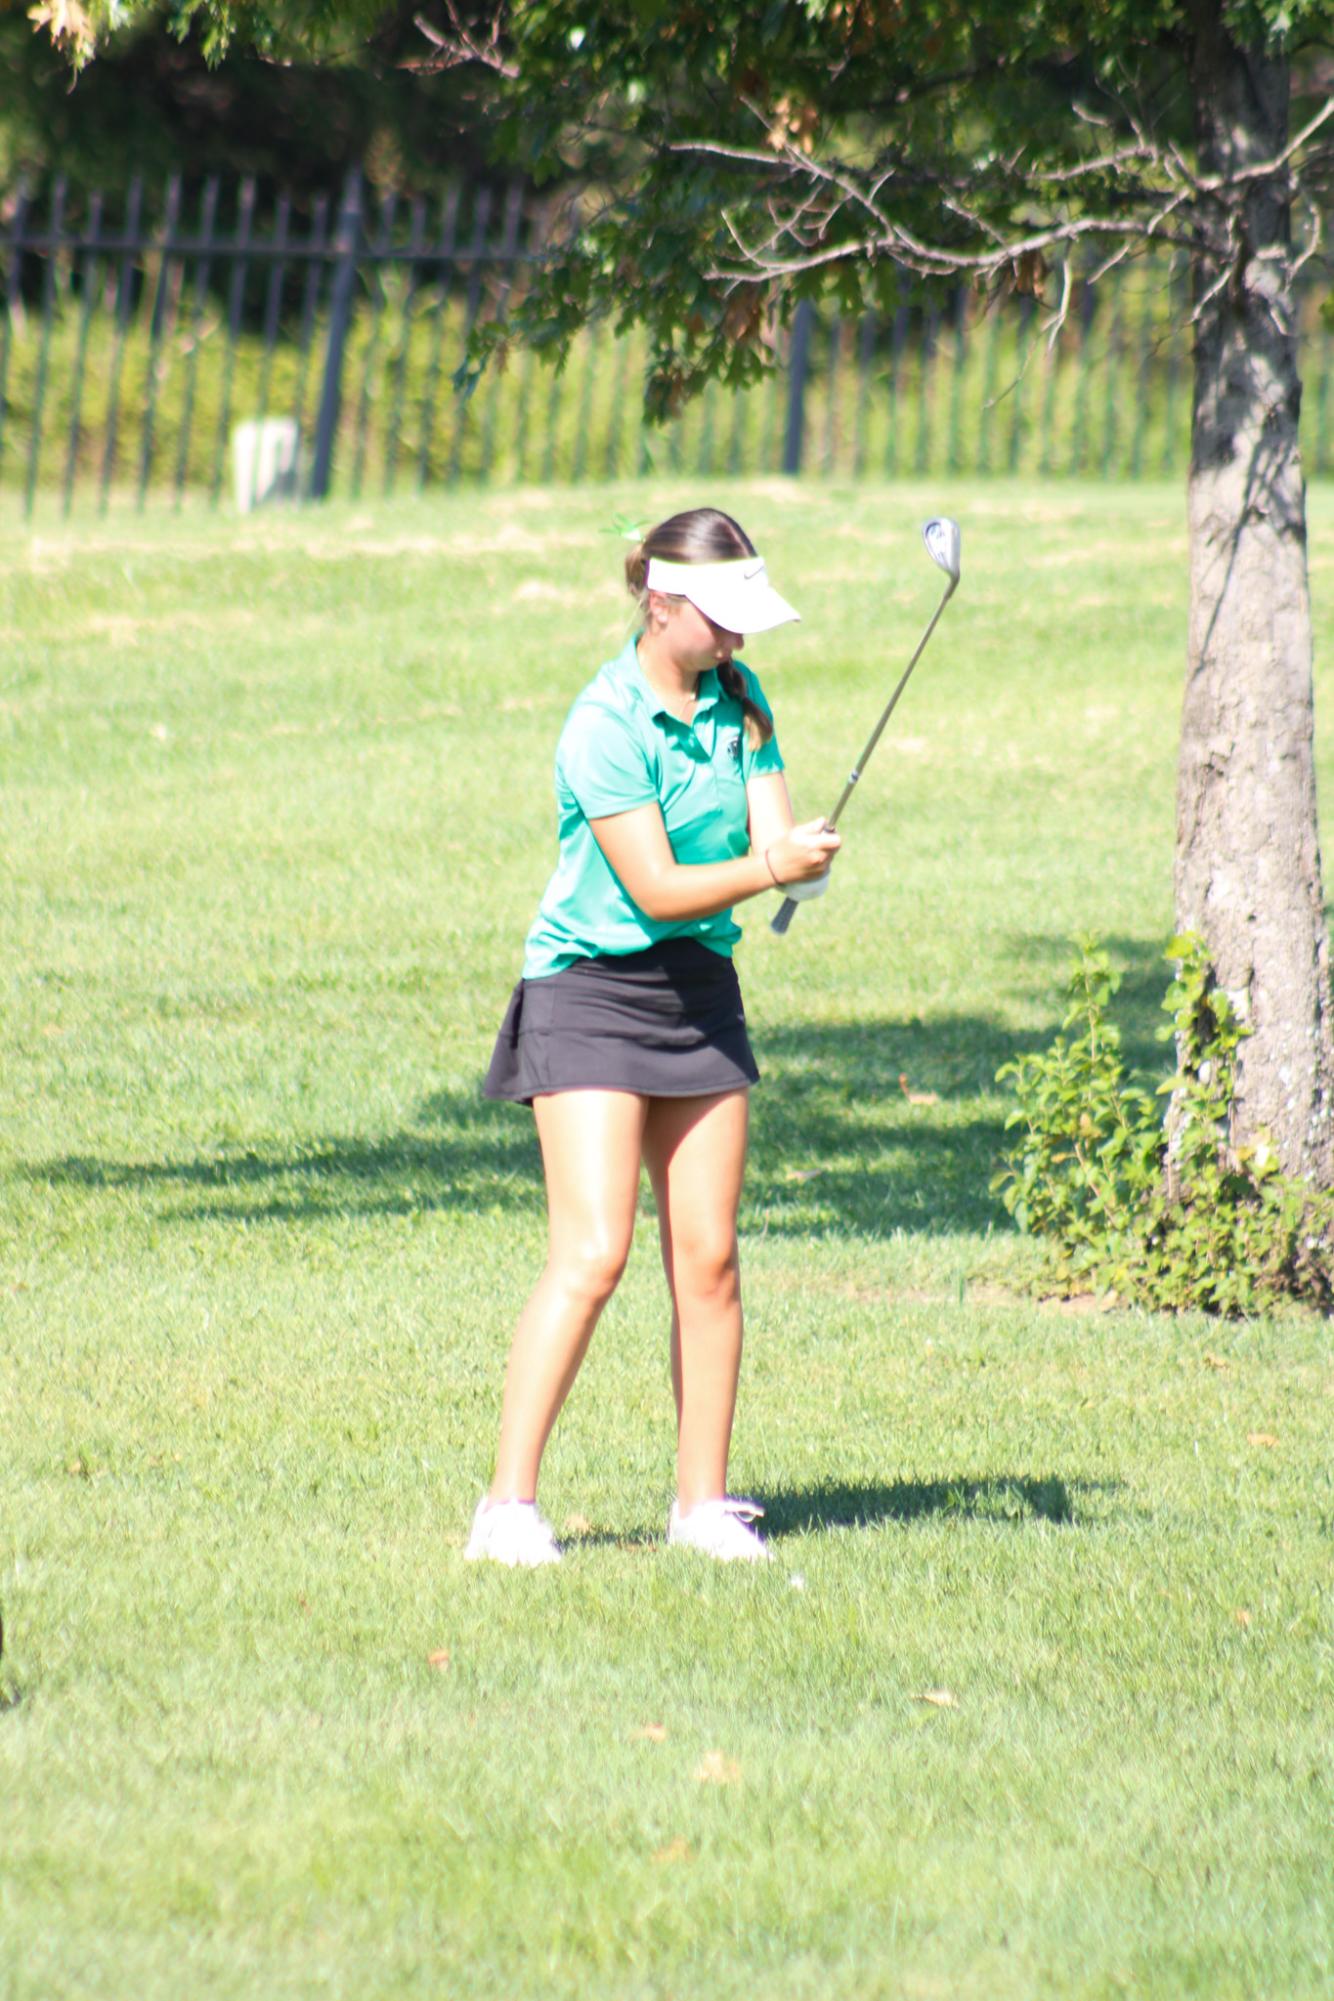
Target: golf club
<point>943,541</point>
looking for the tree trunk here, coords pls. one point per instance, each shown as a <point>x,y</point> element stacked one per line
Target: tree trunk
<point>1248,848</point>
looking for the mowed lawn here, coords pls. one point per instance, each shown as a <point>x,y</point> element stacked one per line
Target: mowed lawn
<point>1037,1699</point>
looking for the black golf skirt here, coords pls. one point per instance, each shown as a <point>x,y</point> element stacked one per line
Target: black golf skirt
<point>666,1022</point>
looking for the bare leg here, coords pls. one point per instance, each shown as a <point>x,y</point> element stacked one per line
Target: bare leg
<point>695,1149</point>
<point>591,1142</point>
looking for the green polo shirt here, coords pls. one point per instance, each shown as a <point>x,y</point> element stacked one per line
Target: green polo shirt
<point>621,748</point>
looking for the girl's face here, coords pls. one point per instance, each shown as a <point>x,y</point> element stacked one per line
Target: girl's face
<point>694,640</point>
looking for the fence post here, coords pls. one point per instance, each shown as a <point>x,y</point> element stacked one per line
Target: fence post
<point>798,368</point>
<point>347,243</point>
<point>54,229</point>
<point>12,296</point>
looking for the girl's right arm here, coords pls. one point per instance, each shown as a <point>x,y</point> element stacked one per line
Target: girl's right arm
<point>671,892</point>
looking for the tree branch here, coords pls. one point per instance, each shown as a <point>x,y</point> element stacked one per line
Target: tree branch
<point>929,260</point>
<point>889,238</point>
<point>462,46</point>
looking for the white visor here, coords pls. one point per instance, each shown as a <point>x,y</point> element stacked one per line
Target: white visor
<point>736,595</point>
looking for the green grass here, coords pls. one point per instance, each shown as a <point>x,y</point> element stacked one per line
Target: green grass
<point>276,812</point>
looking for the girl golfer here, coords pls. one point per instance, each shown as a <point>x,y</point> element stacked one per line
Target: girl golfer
<point>626,1033</point>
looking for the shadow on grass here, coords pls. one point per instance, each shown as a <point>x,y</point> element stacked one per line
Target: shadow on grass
<point>461,1153</point>
<point>864,1128</point>
<point>1003,1497</point>
<point>1013,1498</point>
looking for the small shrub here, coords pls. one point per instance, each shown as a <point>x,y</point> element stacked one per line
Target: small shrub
<point>1143,1192</point>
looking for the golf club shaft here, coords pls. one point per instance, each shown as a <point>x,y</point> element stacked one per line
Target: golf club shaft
<point>787,909</point>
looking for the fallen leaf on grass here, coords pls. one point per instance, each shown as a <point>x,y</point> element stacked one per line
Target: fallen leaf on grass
<point>438,1659</point>
<point>649,1733</point>
<point>939,1698</point>
<point>1261,1438</point>
<point>917,1097</point>
<point>578,1525</point>
<point>1242,1616</point>
<point>677,1850</point>
<point>802,1173</point>
<point>1215,1361</point>
<point>715,1769</point>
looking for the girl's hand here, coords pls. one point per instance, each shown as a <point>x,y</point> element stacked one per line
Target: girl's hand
<point>803,853</point>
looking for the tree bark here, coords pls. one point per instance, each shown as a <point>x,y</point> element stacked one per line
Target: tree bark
<point>1248,850</point>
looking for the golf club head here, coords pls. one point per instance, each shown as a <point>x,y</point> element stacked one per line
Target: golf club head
<point>943,541</point>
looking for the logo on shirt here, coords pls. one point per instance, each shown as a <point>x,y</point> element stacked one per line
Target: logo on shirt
<point>734,747</point>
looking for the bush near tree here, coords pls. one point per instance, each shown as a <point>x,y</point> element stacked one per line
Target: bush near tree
<point>1146,1193</point>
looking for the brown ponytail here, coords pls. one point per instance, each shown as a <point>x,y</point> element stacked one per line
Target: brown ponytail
<point>759,727</point>
<point>701,535</point>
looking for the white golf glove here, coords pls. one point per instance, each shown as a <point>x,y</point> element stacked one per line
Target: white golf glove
<point>803,892</point>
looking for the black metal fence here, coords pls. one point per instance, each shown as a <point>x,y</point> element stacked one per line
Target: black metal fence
<point>133,347</point>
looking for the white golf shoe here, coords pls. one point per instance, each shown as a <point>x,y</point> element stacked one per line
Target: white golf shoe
<point>720,1529</point>
<point>510,1532</point>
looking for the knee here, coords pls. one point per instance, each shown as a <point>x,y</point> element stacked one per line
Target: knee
<point>590,1269</point>
<point>707,1266</point>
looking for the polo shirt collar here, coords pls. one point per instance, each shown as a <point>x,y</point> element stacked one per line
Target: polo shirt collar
<point>709,687</point>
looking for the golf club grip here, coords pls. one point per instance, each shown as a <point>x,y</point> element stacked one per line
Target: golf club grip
<point>784,914</point>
